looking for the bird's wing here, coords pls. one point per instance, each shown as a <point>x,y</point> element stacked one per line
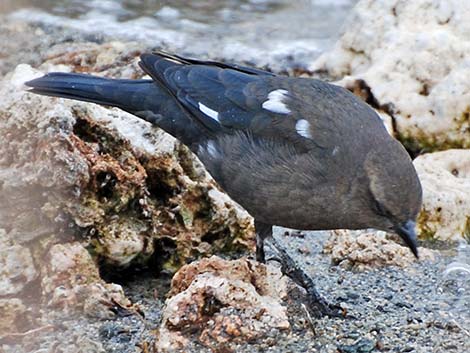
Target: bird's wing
<point>229,99</point>
<point>189,61</point>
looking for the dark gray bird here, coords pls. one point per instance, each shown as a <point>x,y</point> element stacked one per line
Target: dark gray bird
<point>295,152</point>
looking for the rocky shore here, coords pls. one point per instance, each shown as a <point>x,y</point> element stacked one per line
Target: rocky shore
<point>113,237</point>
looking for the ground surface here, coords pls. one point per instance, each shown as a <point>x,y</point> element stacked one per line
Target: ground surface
<point>390,309</point>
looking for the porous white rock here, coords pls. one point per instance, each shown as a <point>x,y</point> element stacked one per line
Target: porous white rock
<point>362,251</point>
<point>13,311</point>
<point>23,73</point>
<point>125,241</point>
<point>414,56</point>
<point>101,162</point>
<point>219,303</point>
<point>16,269</point>
<point>71,280</point>
<point>445,177</point>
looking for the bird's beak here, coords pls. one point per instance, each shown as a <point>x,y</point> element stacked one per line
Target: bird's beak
<point>407,232</point>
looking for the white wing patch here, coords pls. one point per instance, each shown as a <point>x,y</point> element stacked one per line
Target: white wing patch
<point>211,148</point>
<point>209,112</point>
<point>302,127</point>
<point>275,102</point>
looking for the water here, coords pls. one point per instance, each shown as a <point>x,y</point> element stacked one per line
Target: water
<point>278,33</point>
<point>454,288</point>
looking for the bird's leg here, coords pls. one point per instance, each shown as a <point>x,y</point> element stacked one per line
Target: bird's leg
<point>263,231</point>
<point>316,304</point>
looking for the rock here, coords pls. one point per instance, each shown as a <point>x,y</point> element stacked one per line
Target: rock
<point>131,188</point>
<point>67,265</point>
<point>220,303</point>
<point>20,44</point>
<point>362,345</point>
<point>445,177</point>
<point>13,316</point>
<point>412,55</point>
<point>72,280</point>
<point>82,185</point>
<point>103,300</point>
<point>367,250</point>
<point>114,59</point>
<point>413,68</point>
<point>17,269</point>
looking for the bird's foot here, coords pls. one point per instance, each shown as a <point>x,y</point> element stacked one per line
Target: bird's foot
<point>316,304</point>
<point>262,231</point>
<point>260,255</point>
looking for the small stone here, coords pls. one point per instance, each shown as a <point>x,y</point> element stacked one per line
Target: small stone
<point>404,305</point>
<point>363,345</point>
<point>353,295</point>
<point>304,250</point>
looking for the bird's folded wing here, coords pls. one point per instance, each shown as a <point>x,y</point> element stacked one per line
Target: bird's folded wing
<point>160,54</point>
<point>226,99</point>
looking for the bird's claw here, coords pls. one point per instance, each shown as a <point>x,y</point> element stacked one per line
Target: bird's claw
<point>316,304</point>
<point>319,307</point>
<point>274,258</point>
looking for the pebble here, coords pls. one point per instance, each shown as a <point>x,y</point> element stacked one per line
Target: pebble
<point>363,345</point>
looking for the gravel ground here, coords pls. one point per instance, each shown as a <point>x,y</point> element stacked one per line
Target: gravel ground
<point>390,310</point>
<point>393,309</point>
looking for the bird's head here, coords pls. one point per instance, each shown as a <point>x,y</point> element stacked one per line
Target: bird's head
<point>394,191</point>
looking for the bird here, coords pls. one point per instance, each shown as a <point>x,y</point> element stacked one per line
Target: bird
<point>294,152</point>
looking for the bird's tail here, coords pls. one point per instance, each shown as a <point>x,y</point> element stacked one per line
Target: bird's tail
<point>88,88</point>
<point>143,98</point>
